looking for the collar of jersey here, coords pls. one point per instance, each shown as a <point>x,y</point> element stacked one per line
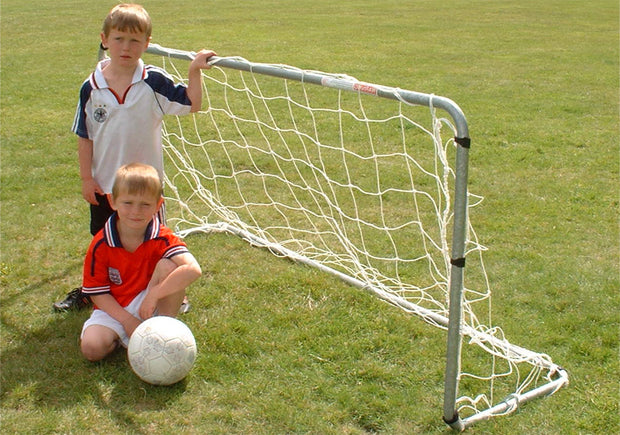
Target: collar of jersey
<point>100,82</point>
<point>113,238</point>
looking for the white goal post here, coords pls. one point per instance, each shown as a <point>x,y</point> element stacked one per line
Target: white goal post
<point>354,179</point>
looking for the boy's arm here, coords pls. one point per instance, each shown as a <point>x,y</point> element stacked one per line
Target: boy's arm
<point>107,303</point>
<point>194,83</point>
<point>85,158</point>
<point>186,272</point>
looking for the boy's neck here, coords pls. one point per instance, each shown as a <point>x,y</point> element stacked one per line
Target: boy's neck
<point>131,238</point>
<point>118,78</point>
<point>118,72</point>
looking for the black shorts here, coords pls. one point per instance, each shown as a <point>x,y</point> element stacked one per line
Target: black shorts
<point>99,214</point>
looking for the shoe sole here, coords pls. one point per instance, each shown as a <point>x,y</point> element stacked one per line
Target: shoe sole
<point>184,308</point>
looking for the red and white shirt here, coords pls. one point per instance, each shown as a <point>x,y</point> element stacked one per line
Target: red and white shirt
<point>127,128</point>
<point>109,268</point>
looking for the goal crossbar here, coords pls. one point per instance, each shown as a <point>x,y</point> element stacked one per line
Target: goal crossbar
<point>456,328</point>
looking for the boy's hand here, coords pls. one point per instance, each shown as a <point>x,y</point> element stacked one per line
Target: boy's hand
<point>194,78</point>
<point>201,59</point>
<point>89,188</point>
<point>147,308</point>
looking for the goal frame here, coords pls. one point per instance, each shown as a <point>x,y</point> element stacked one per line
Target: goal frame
<point>456,329</point>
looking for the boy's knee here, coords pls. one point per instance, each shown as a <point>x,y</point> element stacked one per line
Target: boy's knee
<point>92,351</point>
<point>96,348</point>
<point>164,268</point>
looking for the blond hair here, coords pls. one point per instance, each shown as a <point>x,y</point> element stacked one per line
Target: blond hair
<point>128,17</point>
<point>137,179</point>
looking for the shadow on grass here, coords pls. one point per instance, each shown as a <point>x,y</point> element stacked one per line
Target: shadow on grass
<point>44,371</point>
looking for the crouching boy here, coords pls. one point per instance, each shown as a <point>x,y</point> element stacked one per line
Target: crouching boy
<point>135,267</point>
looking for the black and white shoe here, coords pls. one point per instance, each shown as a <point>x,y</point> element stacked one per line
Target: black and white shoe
<point>75,300</point>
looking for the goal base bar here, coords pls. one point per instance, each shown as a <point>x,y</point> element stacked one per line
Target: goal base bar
<point>512,402</point>
<point>557,375</point>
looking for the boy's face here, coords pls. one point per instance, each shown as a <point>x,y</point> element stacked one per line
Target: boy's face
<point>125,48</point>
<point>135,211</point>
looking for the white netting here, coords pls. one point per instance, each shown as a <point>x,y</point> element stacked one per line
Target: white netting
<point>356,184</point>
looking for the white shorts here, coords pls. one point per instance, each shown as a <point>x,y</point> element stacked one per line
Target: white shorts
<point>100,317</point>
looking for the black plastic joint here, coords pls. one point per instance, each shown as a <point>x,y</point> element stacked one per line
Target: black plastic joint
<point>465,142</point>
<point>458,262</point>
<point>453,420</point>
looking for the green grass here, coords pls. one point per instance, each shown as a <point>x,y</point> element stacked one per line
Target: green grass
<point>284,349</point>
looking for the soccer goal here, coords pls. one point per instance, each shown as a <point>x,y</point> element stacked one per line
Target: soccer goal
<point>362,181</point>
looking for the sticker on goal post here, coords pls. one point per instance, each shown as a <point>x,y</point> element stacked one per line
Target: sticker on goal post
<point>346,85</point>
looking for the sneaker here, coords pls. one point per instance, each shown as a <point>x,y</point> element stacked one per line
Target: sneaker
<point>185,306</point>
<point>75,300</point>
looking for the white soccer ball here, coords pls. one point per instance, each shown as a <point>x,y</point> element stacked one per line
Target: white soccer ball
<point>162,350</point>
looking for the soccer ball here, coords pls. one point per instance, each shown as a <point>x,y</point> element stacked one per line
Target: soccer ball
<point>161,350</point>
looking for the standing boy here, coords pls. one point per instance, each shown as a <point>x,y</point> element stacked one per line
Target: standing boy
<point>119,115</point>
<point>135,266</point>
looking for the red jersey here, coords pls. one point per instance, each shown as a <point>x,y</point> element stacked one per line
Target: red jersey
<point>109,268</point>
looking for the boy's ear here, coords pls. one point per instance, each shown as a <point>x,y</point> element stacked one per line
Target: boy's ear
<point>148,41</point>
<point>104,39</point>
<point>160,203</point>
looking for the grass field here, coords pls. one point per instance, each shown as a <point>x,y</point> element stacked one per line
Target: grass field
<point>284,349</point>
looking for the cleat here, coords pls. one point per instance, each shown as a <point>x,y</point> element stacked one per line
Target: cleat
<point>75,300</point>
<point>185,306</point>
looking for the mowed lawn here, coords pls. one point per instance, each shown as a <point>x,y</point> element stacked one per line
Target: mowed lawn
<point>285,349</point>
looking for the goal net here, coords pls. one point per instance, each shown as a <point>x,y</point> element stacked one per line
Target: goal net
<point>366,182</point>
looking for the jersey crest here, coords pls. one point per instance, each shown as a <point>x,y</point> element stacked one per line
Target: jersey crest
<point>100,114</point>
<point>115,276</point>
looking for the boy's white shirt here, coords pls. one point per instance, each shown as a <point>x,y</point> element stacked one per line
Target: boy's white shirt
<point>127,128</point>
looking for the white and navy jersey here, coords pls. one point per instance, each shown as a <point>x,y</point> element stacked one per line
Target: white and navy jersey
<point>127,128</point>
